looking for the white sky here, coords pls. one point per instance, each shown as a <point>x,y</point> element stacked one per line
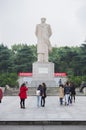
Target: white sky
<point>18,19</point>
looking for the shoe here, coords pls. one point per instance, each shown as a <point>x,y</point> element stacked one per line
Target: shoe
<point>23,107</point>
<point>43,105</point>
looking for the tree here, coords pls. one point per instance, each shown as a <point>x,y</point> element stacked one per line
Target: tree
<point>4,59</point>
<point>83,59</point>
<point>9,79</point>
<point>24,58</point>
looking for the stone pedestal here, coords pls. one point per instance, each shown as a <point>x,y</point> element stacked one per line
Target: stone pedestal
<point>43,72</point>
<point>84,90</point>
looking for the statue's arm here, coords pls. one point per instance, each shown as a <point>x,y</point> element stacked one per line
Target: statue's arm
<point>50,31</point>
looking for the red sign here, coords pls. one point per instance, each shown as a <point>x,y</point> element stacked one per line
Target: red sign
<point>60,74</point>
<point>30,74</point>
<point>24,74</point>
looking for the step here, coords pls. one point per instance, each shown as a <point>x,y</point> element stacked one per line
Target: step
<point>64,122</point>
<point>51,91</point>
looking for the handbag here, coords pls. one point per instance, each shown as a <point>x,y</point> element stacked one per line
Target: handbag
<point>38,92</point>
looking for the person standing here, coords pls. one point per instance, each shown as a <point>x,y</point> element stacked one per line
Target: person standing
<point>23,95</point>
<point>38,94</point>
<point>72,92</point>
<point>67,93</point>
<point>43,94</point>
<point>43,33</point>
<point>60,82</point>
<point>1,94</point>
<point>61,93</point>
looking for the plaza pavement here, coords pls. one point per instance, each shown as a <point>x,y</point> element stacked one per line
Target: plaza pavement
<point>52,113</point>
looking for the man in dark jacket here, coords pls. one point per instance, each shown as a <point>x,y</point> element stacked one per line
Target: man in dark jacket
<point>67,93</point>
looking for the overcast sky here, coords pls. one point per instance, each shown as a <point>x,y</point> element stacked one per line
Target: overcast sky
<point>18,19</point>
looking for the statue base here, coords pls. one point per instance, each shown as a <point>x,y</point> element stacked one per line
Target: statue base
<point>43,72</point>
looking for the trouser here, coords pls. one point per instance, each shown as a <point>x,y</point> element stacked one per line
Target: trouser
<point>22,103</point>
<point>61,101</point>
<point>43,101</point>
<point>67,99</point>
<point>73,97</point>
<point>38,101</point>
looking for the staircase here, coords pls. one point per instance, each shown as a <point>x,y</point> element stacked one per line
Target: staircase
<point>51,91</point>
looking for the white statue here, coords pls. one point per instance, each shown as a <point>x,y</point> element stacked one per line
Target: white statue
<point>43,33</point>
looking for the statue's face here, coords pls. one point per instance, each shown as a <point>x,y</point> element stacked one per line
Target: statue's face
<point>43,20</point>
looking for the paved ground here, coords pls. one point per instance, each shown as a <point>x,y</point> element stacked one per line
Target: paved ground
<point>10,110</point>
<point>46,127</point>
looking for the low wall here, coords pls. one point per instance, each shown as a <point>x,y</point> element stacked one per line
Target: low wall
<point>51,91</point>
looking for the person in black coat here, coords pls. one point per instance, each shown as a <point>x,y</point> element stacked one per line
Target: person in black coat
<point>43,94</point>
<point>67,93</point>
<point>72,92</point>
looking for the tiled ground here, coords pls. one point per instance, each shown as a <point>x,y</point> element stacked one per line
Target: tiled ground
<point>10,110</point>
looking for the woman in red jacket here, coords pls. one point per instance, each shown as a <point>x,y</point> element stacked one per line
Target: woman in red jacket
<point>23,95</point>
<point>1,94</point>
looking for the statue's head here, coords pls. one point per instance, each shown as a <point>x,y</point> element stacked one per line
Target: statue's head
<point>43,20</point>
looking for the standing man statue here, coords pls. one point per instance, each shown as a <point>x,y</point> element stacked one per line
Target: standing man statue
<point>43,33</point>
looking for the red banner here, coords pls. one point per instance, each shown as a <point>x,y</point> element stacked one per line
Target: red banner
<point>24,74</point>
<point>60,74</point>
<point>30,74</point>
